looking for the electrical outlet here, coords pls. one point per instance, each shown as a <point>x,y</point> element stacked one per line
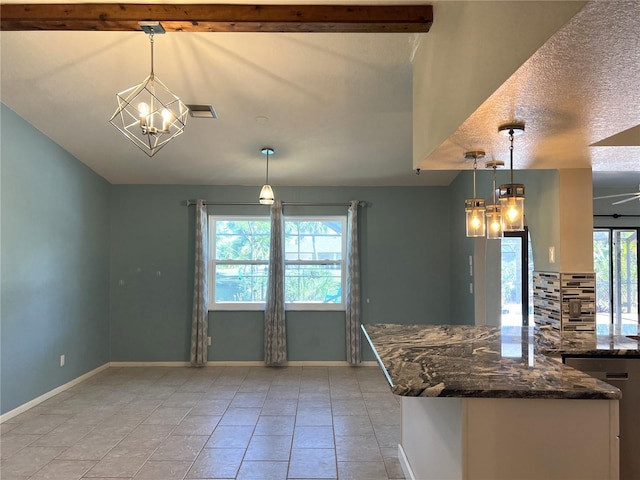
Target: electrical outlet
<point>209,341</point>
<point>62,360</point>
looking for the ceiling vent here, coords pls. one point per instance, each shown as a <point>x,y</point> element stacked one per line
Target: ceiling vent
<point>202,111</point>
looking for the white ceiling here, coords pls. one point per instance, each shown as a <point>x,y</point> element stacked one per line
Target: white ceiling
<point>337,108</point>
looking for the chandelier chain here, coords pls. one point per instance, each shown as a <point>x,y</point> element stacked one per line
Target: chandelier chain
<point>151,42</point>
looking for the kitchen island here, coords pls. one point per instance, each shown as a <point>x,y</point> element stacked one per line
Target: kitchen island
<point>484,403</point>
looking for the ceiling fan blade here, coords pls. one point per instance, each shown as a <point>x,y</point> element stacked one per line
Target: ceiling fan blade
<point>635,197</point>
<point>618,195</point>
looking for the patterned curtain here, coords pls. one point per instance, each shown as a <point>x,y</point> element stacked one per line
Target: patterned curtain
<point>199,320</point>
<point>354,343</point>
<point>275,334</point>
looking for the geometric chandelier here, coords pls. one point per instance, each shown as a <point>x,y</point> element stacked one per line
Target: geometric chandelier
<point>149,114</point>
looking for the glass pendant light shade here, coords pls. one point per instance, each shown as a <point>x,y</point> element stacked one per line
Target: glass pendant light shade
<point>494,222</point>
<point>512,207</point>
<point>474,209</point>
<point>266,195</point>
<point>512,194</point>
<point>493,215</point>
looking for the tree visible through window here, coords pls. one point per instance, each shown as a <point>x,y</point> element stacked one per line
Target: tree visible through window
<point>314,261</point>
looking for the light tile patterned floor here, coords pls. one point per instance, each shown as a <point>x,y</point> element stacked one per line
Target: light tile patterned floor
<point>242,423</point>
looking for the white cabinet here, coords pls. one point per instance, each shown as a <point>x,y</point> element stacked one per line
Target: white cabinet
<point>507,439</point>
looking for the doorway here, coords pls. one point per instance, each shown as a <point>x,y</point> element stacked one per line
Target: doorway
<point>516,259</point>
<point>615,262</point>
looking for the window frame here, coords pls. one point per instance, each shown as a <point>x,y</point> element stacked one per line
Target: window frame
<point>289,306</point>
<point>213,262</point>
<point>319,306</point>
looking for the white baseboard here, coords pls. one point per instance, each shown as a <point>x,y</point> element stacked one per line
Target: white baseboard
<point>149,364</point>
<point>252,363</point>
<point>36,401</point>
<point>404,463</point>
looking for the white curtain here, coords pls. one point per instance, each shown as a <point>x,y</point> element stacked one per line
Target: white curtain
<point>354,342</point>
<point>199,322</point>
<point>275,334</point>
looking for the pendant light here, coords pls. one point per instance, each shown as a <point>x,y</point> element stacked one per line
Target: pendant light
<point>266,194</point>
<point>512,194</point>
<point>149,114</point>
<point>493,216</point>
<point>475,207</point>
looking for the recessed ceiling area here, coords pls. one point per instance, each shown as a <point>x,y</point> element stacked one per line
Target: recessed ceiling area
<point>581,87</point>
<point>337,107</point>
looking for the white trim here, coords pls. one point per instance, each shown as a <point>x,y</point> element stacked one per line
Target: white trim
<point>249,363</point>
<point>150,364</point>
<point>294,363</point>
<point>404,463</point>
<point>45,396</point>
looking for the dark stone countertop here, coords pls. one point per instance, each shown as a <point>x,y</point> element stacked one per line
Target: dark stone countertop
<point>553,342</point>
<point>476,361</point>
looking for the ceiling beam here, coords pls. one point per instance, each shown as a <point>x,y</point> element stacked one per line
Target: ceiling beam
<point>218,18</point>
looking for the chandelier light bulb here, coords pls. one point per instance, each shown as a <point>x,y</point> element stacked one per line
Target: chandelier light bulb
<point>167,116</point>
<point>512,212</point>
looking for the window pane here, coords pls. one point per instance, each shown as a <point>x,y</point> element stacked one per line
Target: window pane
<point>602,267</point>
<point>241,283</point>
<point>313,239</point>
<point>242,240</point>
<point>313,283</point>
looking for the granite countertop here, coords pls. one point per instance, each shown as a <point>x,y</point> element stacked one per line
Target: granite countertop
<point>475,361</point>
<point>553,342</point>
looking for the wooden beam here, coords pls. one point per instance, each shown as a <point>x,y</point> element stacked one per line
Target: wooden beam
<point>217,18</point>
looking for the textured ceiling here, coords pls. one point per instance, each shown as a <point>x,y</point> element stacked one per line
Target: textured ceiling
<point>580,88</point>
<point>337,108</point>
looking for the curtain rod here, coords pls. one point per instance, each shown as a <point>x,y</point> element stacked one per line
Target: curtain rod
<point>617,215</point>
<point>284,204</point>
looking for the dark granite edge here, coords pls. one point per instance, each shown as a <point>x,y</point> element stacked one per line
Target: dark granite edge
<point>440,390</point>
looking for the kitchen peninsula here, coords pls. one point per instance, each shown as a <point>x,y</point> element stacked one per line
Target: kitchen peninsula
<point>482,403</point>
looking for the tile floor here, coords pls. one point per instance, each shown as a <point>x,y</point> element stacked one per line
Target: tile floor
<point>240,423</point>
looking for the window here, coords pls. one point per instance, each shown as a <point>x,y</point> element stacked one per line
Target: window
<point>314,262</point>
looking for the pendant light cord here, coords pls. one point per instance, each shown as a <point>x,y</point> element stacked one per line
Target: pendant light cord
<point>475,168</point>
<point>494,182</point>
<point>511,132</point>
<point>267,182</point>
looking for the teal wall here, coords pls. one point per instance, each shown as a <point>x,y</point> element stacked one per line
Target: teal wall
<point>404,247</point>
<point>55,265</point>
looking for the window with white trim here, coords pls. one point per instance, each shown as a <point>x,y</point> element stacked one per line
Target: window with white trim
<point>315,255</point>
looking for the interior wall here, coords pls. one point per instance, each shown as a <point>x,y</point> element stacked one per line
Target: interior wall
<point>462,303</point>
<point>576,219</point>
<point>55,265</point>
<point>404,248</point>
